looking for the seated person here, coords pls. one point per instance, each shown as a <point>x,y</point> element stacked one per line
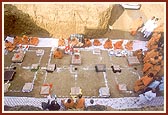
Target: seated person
<point>146,67</point>
<point>58,54</point>
<point>154,69</point>
<point>75,42</point>
<point>147,96</point>
<point>69,104</point>
<point>108,44</point>
<point>80,102</point>
<point>156,59</point>
<point>87,42</point>
<point>129,45</point>
<point>34,41</point>
<point>151,54</point>
<point>9,46</point>
<point>118,45</point>
<point>138,53</point>
<point>17,40</point>
<point>25,39</point>
<point>143,82</point>
<point>61,42</point>
<point>51,105</point>
<point>96,42</point>
<point>153,42</point>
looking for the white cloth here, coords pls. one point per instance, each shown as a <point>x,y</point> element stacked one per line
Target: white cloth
<point>147,25</point>
<point>150,29</point>
<point>147,96</point>
<point>53,42</point>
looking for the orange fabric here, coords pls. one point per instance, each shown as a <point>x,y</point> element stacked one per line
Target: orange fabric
<point>149,55</point>
<point>96,42</point>
<point>80,103</point>
<point>142,83</point>
<point>146,66</point>
<point>146,80</point>
<point>153,42</point>
<point>155,61</point>
<point>129,45</point>
<point>139,82</point>
<point>58,54</point>
<point>138,88</point>
<point>51,85</point>
<point>151,71</point>
<point>17,56</point>
<point>87,43</point>
<point>25,40</point>
<point>34,41</point>
<point>133,32</point>
<point>108,44</point>
<point>61,42</point>
<point>68,105</point>
<point>17,40</point>
<point>48,85</point>
<point>118,45</point>
<point>138,53</point>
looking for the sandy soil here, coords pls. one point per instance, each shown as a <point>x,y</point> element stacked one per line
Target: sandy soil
<point>62,79</point>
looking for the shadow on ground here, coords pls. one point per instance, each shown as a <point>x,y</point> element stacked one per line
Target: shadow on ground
<point>18,23</point>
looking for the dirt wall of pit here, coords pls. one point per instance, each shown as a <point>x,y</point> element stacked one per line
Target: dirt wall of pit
<point>61,20</point>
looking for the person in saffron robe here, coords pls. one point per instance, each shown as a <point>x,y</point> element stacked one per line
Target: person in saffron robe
<point>58,54</point>
<point>61,42</point>
<point>129,45</point>
<point>9,46</point>
<point>69,103</point>
<point>87,42</point>
<point>118,45</point>
<point>96,42</point>
<point>34,41</point>
<point>17,40</point>
<point>80,102</point>
<point>143,82</point>
<point>25,39</point>
<point>108,44</point>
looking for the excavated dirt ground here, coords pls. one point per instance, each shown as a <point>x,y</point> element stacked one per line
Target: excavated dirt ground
<point>89,80</point>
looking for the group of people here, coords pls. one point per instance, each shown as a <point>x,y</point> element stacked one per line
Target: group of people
<point>149,26</point>
<point>146,28</point>
<point>153,70</point>
<point>24,40</point>
<point>71,104</point>
<point>68,104</point>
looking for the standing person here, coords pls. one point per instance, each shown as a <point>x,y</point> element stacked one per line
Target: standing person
<point>147,24</point>
<point>147,96</point>
<point>80,102</point>
<point>136,25</point>
<point>150,28</point>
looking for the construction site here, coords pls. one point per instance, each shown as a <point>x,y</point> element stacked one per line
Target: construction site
<point>67,49</point>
